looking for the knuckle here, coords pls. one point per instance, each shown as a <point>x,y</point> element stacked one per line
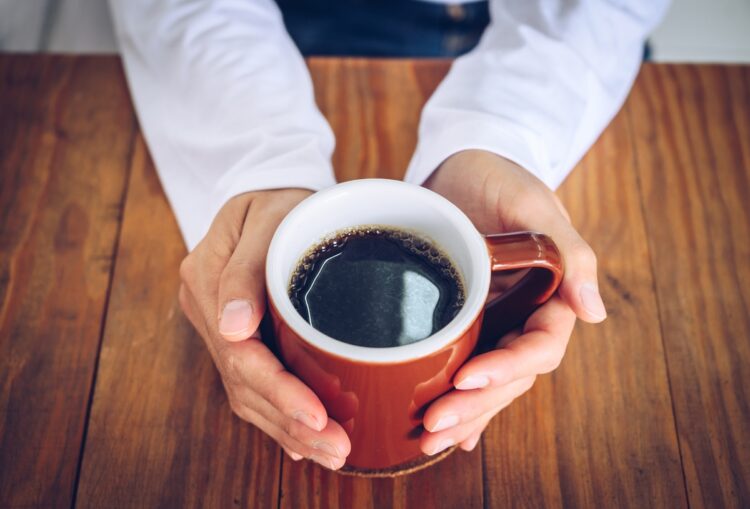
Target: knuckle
<point>231,365</point>
<point>243,266</point>
<point>551,361</point>
<point>241,278</point>
<point>528,198</point>
<point>187,267</point>
<point>286,442</point>
<point>584,255</point>
<point>293,429</point>
<point>221,248</point>
<point>238,408</point>
<point>183,299</point>
<point>287,426</point>
<point>561,207</point>
<point>277,398</point>
<point>230,276</point>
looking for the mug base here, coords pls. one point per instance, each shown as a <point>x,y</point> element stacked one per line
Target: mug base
<point>409,467</point>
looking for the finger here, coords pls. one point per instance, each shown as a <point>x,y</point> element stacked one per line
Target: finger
<point>434,443</point>
<point>509,338</point>
<point>579,286</point>
<point>241,296</point>
<point>202,267</point>
<point>331,440</point>
<point>561,207</point>
<point>471,442</point>
<point>295,456</point>
<point>241,293</point>
<point>250,364</point>
<point>461,407</point>
<point>538,350</point>
<point>286,441</point>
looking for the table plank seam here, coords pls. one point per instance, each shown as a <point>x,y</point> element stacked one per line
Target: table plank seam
<point>485,481</point>
<point>281,473</point>
<point>652,268</point>
<point>102,326</point>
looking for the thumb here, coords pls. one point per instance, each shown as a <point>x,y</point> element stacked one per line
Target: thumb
<point>242,295</point>
<point>241,299</point>
<point>580,286</point>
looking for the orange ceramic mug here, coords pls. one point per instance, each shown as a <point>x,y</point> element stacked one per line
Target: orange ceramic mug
<point>380,394</point>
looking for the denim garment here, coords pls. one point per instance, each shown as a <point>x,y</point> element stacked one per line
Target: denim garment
<point>384,28</point>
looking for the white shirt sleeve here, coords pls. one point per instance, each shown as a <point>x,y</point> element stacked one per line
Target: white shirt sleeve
<point>543,83</point>
<point>225,102</point>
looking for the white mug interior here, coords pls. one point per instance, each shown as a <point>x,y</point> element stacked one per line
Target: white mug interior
<point>387,203</point>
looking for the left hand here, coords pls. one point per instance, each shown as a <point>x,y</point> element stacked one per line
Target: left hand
<point>500,196</point>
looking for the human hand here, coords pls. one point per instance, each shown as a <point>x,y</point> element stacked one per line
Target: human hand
<point>223,296</point>
<point>500,196</point>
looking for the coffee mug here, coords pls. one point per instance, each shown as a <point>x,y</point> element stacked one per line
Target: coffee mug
<point>379,395</point>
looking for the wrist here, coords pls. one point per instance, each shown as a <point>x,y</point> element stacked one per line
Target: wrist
<point>290,192</point>
<point>489,188</point>
<point>476,163</point>
<point>275,203</point>
<point>282,198</point>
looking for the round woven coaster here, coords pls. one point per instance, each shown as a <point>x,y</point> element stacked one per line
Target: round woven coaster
<point>403,469</point>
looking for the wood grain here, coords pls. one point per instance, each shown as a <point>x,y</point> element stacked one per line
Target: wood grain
<point>161,432</point>
<point>454,482</point>
<point>650,409</point>
<point>373,107</point>
<point>598,432</point>
<point>692,142</point>
<point>65,136</point>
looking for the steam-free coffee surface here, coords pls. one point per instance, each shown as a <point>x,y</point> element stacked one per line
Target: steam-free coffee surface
<point>376,287</point>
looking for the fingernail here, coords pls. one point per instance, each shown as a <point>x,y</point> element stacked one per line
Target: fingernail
<point>592,301</point>
<point>307,419</point>
<point>445,422</point>
<point>443,445</point>
<point>327,448</point>
<point>473,382</point>
<point>294,455</point>
<point>235,319</point>
<point>323,461</point>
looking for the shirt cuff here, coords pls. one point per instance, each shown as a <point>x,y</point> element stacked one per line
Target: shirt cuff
<point>478,131</point>
<point>194,219</point>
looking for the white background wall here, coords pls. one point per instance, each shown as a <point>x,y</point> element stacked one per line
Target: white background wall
<point>704,31</point>
<point>693,31</point>
<point>64,26</point>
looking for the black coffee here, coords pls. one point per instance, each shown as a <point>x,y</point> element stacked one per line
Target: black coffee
<point>378,287</point>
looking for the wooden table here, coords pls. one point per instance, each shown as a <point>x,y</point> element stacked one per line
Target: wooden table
<point>109,399</point>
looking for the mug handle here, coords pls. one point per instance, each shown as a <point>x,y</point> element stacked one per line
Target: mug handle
<point>513,251</point>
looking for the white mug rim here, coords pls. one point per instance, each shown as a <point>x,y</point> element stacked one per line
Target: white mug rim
<point>476,289</point>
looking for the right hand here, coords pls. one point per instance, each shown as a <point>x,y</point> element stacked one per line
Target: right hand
<point>223,296</point>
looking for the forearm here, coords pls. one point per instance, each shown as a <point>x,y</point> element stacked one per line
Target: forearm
<point>225,102</point>
<point>540,87</point>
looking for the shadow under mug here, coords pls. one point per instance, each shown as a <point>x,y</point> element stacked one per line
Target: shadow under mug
<point>379,395</point>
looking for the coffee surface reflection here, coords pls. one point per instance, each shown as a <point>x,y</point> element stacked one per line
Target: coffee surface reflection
<point>376,287</point>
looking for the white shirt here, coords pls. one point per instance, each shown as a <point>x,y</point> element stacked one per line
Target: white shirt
<point>226,103</point>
